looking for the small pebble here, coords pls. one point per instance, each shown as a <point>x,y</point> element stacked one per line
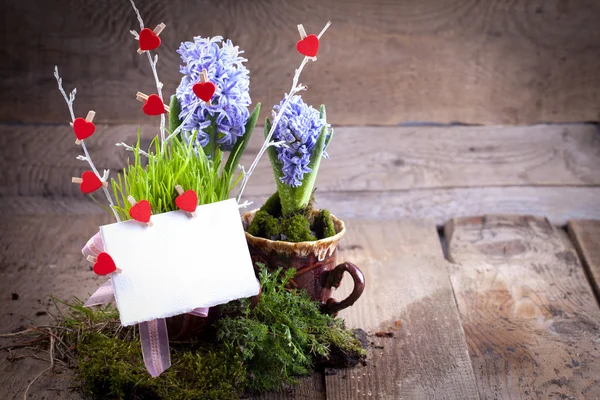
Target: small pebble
<point>384,334</point>
<point>14,296</point>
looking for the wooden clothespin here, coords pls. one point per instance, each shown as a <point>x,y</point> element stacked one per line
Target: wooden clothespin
<point>308,45</point>
<point>186,201</point>
<point>149,40</point>
<point>89,182</point>
<point>140,211</point>
<point>301,31</point>
<point>204,89</point>
<point>84,128</point>
<point>153,105</point>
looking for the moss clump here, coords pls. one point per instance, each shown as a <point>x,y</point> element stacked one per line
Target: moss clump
<point>323,224</point>
<point>296,228</point>
<point>273,206</point>
<point>269,223</point>
<point>264,225</point>
<point>285,334</point>
<point>255,349</point>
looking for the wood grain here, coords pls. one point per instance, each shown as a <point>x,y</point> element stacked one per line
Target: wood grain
<point>381,62</point>
<point>585,234</point>
<point>41,256</point>
<point>558,204</point>
<point>530,317</point>
<point>424,172</point>
<point>408,294</point>
<point>308,388</point>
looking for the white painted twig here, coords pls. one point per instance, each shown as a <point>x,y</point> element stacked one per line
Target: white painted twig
<point>159,84</point>
<point>295,89</point>
<point>186,119</point>
<point>132,149</point>
<point>70,99</point>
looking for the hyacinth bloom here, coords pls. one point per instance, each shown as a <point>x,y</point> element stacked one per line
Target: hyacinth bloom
<point>228,112</point>
<point>306,134</point>
<point>299,127</point>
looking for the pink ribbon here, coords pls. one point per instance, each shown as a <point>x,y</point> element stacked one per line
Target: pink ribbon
<point>155,346</point>
<point>153,334</point>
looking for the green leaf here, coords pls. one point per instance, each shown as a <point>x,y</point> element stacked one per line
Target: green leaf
<point>174,120</point>
<point>242,142</point>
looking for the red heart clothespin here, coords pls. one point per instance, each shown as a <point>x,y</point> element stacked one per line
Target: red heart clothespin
<point>307,45</point>
<point>186,201</point>
<point>204,89</point>
<point>89,182</point>
<point>149,39</point>
<point>103,264</point>
<point>140,211</point>
<point>84,128</point>
<point>153,105</point>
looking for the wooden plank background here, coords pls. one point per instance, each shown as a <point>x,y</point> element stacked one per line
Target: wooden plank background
<point>373,172</point>
<point>529,315</point>
<point>381,63</point>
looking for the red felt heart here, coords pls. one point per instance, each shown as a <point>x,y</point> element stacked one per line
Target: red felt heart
<point>204,90</point>
<point>141,211</point>
<point>148,39</point>
<point>154,105</point>
<point>309,46</point>
<point>83,129</point>
<point>104,264</point>
<point>187,201</point>
<point>90,182</point>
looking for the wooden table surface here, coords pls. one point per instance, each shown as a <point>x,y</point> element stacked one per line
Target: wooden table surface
<point>480,247</point>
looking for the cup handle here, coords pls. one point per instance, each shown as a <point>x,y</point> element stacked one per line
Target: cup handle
<point>333,278</point>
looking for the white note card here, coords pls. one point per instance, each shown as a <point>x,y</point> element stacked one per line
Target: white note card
<point>179,263</point>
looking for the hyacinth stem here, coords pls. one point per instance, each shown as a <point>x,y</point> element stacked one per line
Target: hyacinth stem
<point>70,100</point>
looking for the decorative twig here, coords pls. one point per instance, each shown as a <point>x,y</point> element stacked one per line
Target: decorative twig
<point>132,149</point>
<point>267,143</point>
<point>153,63</point>
<point>70,99</point>
<point>185,120</point>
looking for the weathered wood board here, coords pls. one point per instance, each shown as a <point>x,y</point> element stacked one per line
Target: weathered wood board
<point>529,315</point>
<point>381,62</point>
<point>408,294</point>
<point>586,237</point>
<point>424,172</point>
<point>41,256</point>
<point>397,158</point>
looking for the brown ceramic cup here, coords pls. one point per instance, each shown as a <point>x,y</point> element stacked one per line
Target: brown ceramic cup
<point>314,262</point>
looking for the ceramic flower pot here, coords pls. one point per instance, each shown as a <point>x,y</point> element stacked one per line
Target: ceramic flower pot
<point>314,262</point>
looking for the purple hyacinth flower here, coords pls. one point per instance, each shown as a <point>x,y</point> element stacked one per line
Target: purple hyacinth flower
<point>300,126</point>
<point>229,108</point>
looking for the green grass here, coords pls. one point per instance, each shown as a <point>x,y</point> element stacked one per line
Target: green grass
<point>154,178</point>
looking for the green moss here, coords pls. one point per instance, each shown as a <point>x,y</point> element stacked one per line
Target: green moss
<point>273,205</point>
<point>269,223</point>
<point>284,334</point>
<point>323,225</point>
<point>255,349</point>
<point>264,225</point>
<point>296,228</point>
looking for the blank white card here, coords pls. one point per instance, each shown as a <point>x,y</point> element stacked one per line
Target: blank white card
<point>179,263</point>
